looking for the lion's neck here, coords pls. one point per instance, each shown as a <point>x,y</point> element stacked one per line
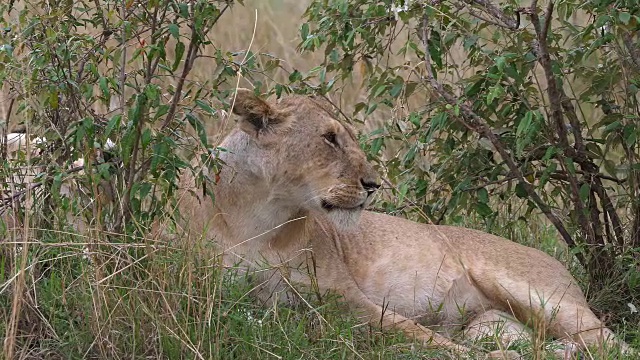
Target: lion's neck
<point>255,220</point>
<point>251,210</point>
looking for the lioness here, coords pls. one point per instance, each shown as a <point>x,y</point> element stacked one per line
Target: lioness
<point>292,197</point>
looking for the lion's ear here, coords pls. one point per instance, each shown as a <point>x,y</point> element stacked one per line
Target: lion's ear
<point>256,115</point>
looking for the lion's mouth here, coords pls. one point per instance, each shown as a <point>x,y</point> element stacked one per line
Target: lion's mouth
<point>326,205</point>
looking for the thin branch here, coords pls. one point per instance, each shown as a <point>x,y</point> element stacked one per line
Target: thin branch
<point>635,235</point>
<point>192,53</point>
<point>552,86</point>
<point>608,207</point>
<point>502,19</point>
<point>580,207</point>
<point>547,20</point>
<point>633,48</point>
<point>123,57</point>
<point>3,150</point>
<point>594,212</point>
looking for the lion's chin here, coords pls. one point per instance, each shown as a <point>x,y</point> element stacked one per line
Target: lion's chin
<point>344,219</point>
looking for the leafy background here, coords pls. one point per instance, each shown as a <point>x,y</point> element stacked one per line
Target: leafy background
<point>515,118</point>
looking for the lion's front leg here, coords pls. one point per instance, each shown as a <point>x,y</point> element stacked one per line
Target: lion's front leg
<point>386,319</point>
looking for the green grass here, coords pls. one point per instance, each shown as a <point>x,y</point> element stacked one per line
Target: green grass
<point>151,300</point>
<point>139,299</point>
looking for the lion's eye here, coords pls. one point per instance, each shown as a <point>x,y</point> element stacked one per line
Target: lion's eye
<point>330,138</point>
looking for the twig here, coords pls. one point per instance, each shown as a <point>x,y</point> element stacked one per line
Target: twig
<point>547,20</point>
<point>608,207</point>
<point>552,87</point>
<point>634,49</point>
<point>3,149</point>
<point>123,58</point>
<point>188,64</point>
<point>491,9</point>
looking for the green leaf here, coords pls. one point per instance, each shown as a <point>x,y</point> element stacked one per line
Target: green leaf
<point>624,17</point>
<point>279,90</point>
<point>144,189</point>
<point>602,20</point>
<point>295,76</point>
<point>396,89</point>
<point>402,192</point>
<point>470,41</point>
<point>376,146</point>
<point>435,52</point>
<point>113,123</point>
<point>415,119</point>
<point>53,99</point>
<point>152,93</point>
<point>613,126</point>
<point>585,191</point>
<point>483,195</point>
<point>138,110</point>
<point>475,88</point>
<point>494,93</point>
<point>551,151</point>
<point>196,124</point>
<point>204,106</point>
<point>183,10</point>
<point>520,190</point>
<point>160,151</point>
<point>372,108</point>
<point>483,209</point>
<point>500,63</point>
<point>570,165</point>
<point>379,90</point>
<point>630,134</point>
<point>524,124</point>
<point>359,107</point>
<point>104,87</point>
<point>179,50</point>
<point>304,31</point>
<point>174,30</point>
<point>546,174</point>
<point>146,138</point>
<point>410,87</point>
<point>610,167</point>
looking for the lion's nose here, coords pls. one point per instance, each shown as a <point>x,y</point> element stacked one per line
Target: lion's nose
<point>369,186</point>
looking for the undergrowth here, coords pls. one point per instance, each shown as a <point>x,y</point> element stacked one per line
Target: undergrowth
<point>138,298</point>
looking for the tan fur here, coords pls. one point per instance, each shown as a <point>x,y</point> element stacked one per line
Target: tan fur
<point>281,167</point>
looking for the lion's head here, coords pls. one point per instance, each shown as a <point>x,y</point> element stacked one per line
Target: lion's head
<point>300,157</point>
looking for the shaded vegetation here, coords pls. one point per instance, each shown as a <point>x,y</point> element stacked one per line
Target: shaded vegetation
<point>484,116</point>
